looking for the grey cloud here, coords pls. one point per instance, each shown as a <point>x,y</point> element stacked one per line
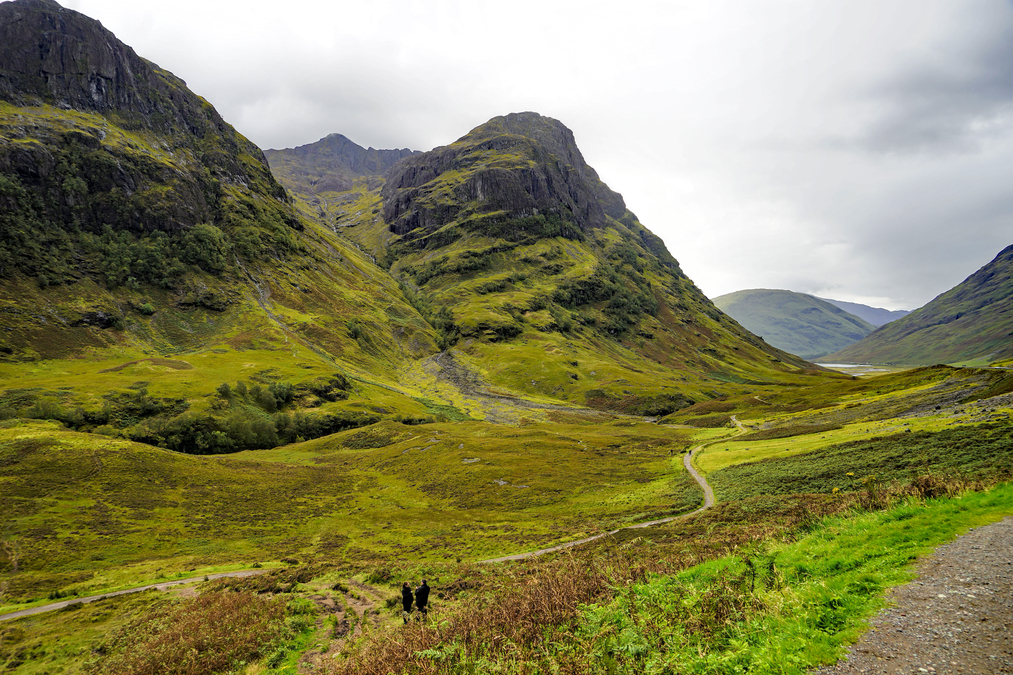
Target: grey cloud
<point>952,100</point>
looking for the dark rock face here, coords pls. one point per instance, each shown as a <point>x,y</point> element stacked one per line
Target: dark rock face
<point>96,142</point>
<point>98,319</point>
<point>56,56</point>
<point>522,164</point>
<point>333,162</point>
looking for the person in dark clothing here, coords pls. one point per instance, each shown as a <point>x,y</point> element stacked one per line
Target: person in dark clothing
<point>422,598</point>
<point>406,601</point>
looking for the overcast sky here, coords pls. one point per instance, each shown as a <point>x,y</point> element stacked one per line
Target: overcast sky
<point>860,150</point>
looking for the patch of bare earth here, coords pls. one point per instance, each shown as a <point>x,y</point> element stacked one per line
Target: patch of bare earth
<point>355,611</point>
<point>956,618</point>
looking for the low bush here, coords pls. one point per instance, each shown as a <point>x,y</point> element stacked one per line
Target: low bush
<point>212,633</point>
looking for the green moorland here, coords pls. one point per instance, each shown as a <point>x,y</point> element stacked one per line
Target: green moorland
<point>399,377</point>
<point>777,577</point>
<point>91,515</point>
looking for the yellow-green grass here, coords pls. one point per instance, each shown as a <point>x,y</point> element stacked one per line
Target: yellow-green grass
<point>85,382</point>
<point>965,454</point>
<point>64,642</point>
<point>90,513</point>
<point>800,603</point>
<point>21,123</point>
<point>741,451</point>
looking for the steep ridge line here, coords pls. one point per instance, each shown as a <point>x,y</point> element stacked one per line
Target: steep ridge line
<point>162,586</point>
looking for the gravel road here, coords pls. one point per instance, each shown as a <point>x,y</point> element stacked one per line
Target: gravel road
<point>956,618</point>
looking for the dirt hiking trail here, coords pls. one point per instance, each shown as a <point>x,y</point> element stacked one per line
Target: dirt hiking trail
<point>956,618</point>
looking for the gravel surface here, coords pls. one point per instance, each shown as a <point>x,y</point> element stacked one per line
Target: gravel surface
<point>956,618</point>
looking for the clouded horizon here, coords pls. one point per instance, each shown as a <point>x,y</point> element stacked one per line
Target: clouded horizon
<point>859,150</point>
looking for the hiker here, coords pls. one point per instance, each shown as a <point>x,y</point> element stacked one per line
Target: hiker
<point>406,601</point>
<point>422,599</point>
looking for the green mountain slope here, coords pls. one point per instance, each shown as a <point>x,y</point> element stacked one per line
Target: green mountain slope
<point>137,224</point>
<point>877,316</point>
<point>795,322</point>
<point>540,279</point>
<point>971,322</point>
<point>178,295</point>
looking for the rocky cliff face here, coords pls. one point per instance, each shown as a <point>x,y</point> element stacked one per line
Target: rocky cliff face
<point>136,217</point>
<point>92,136</point>
<point>50,55</point>
<point>331,164</point>
<point>518,166</point>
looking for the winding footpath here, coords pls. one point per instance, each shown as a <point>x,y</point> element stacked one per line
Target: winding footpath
<point>687,460</point>
<point>161,586</point>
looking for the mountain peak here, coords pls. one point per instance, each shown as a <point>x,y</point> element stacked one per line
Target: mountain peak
<point>331,164</point>
<point>518,165</point>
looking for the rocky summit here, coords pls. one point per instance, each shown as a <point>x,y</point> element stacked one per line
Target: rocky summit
<point>517,166</point>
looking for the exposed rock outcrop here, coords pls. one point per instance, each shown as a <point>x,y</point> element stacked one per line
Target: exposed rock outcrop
<point>83,169</point>
<point>332,163</point>
<point>521,165</point>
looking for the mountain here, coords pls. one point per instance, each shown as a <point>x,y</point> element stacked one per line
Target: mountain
<point>875,316</point>
<point>184,298</point>
<point>539,277</point>
<point>137,223</point>
<point>971,322</point>
<point>332,164</point>
<point>795,322</point>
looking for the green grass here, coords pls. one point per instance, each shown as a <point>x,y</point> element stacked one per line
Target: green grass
<point>91,513</point>
<point>976,452</point>
<point>801,439</point>
<point>782,608</point>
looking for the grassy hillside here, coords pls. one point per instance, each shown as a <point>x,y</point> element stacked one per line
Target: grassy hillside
<point>89,514</point>
<point>403,365</point>
<point>970,323</point>
<point>578,303</point>
<point>795,322</point>
<point>139,227</point>
<point>394,501</point>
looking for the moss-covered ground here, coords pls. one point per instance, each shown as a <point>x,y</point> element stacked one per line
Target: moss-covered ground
<point>90,513</point>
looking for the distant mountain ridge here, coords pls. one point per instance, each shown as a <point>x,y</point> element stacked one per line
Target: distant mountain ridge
<point>795,322</point>
<point>873,315</point>
<point>972,321</point>
<point>331,164</point>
